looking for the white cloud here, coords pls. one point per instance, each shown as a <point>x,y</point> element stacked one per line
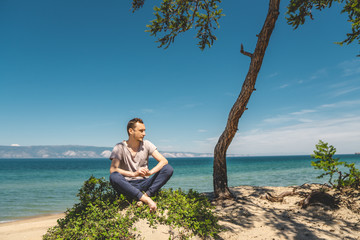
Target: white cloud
<point>278,119</point>
<point>302,112</point>
<point>341,104</point>
<point>298,132</point>
<point>345,91</point>
<point>350,68</point>
<point>319,74</point>
<point>273,75</point>
<point>201,130</point>
<point>344,87</point>
<point>284,86</point>
<point>305,120</point>
<point>313,115</point>
<point>300,138</point>
<point>15,145</point>
<point>331,105</point>
<point>341,84</point>
<point>291,117</point>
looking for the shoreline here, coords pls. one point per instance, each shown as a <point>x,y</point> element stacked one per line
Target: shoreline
<point>23,218</point>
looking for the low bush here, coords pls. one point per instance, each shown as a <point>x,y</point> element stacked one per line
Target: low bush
<point>103,214</point>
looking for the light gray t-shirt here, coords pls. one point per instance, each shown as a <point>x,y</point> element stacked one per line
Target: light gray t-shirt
<point>127,162</point>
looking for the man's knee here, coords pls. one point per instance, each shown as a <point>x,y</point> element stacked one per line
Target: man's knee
<point>122,186</point>
<point>168,170</point>
<point>116,178</point>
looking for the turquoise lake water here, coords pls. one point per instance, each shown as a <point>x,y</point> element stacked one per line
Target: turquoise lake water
<point>30,187</point>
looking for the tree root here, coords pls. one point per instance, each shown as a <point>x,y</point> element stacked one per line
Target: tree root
<point>278,198</point>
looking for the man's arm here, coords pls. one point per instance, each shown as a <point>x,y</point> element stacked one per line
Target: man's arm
<point>115,163</point>
<point>162,161</point>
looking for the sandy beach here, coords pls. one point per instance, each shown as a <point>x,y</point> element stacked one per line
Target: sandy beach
<point>247,217</point>
<point>31,228</point>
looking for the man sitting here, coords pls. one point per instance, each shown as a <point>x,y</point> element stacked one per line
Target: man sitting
<point>129,172</point>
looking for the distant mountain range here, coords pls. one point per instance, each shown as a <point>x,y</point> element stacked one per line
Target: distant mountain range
<point>74,151</point>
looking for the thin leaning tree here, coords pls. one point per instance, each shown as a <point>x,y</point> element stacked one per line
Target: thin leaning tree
<point>176,16</point>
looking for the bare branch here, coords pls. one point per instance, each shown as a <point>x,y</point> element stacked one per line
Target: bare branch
<point>278,198</point>
<point>244,52</point>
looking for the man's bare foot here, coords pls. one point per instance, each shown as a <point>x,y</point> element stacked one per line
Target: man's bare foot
<point>146,199</point>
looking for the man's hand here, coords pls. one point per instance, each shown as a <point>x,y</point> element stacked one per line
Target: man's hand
<point>143,171</point>
<point>149,173</point>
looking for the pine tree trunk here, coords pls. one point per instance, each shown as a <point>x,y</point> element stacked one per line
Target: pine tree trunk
<point>220,182</point>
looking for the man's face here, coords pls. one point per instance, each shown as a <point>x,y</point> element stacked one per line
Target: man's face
<point>138,132</point>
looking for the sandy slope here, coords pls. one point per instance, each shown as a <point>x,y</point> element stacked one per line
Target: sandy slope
<point>250,217</point>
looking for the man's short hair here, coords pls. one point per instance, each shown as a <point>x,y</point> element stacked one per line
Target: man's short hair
<point>132,122</point>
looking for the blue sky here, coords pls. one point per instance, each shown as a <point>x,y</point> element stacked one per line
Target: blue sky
<point>74,72</point>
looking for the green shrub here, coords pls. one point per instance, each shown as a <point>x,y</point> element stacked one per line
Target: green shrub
<point>103,214</point>
<point>188,210</point>
<point>325,161</point>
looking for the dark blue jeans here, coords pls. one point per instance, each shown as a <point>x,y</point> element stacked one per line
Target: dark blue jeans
<point>134,188</point>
